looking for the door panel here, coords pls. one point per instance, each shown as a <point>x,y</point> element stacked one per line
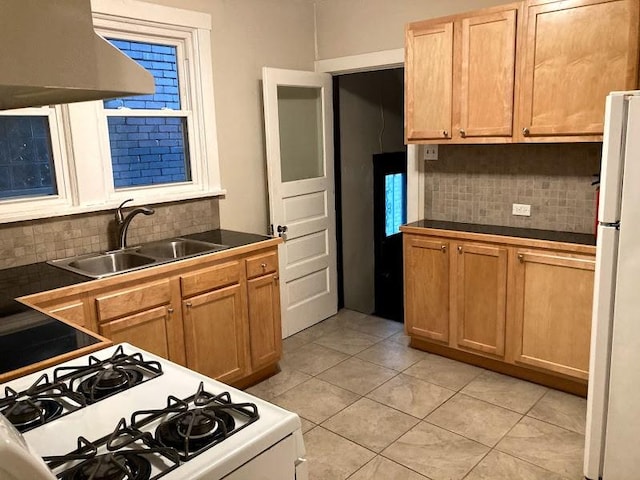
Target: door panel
<point>429,83</point>
<point>427,288</point>
<point>299,128</point>
<point>482,294</point>
<point>487,75</point>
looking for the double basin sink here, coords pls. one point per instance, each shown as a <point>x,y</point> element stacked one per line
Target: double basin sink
<point>98,265</point>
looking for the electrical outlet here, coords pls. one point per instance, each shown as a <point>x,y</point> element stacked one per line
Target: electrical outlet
<point>430,152</point>
<point>521,210</point>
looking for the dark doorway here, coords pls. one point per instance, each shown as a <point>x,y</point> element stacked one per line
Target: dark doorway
<point>390,211</point>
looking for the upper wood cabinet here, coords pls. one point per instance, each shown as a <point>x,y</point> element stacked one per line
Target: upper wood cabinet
<point>429,79</point>
<point>460,77</point>
<point>484,76</point>
<point>535,71</point>
<point>575,53</point>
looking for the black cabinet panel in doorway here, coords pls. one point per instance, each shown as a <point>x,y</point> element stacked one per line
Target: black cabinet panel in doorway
<point>390,211</point>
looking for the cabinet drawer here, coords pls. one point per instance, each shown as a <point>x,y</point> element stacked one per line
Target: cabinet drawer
<point>135,299</point>
<point>210,278</point>
<point>262,264</point>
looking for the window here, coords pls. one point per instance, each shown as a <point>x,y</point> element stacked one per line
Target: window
<point>26,157</point>
<point>93,155</point>
<point>395,201</point>
<point>150,147</point>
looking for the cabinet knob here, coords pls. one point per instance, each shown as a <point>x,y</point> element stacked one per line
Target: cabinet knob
<point>264,266</point>
<point>525,131</point>
<point>459,248</point>
<point>443,248</point>
<point>188,304</point>
<point>276,278</point>
<point>445,133</point>
<point>463,133</point>
<point>170,310</point>
<point>521,258</point>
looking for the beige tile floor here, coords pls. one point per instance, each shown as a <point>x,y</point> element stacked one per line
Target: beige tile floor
<point>373,408</point>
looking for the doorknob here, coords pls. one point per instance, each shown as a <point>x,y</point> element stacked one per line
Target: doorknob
<point>282,231</point>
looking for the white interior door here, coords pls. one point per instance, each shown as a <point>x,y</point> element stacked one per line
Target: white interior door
<point>298,115</point>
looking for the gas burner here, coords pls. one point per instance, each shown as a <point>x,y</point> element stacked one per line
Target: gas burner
<point>113,466</point>
<point>125,454</point>
<point>195,429</point>
<point>193,425</point>
<point>103,378</point>
<point>26,414</point>
<point>39,404</point>
<point>108,381</point>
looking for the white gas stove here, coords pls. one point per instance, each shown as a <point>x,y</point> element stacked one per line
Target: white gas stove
<point>130,415</point>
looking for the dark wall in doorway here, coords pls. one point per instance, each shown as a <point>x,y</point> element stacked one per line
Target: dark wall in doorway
<point>371,121</point>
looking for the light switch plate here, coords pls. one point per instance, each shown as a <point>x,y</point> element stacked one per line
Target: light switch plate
<point>521,210</point>
<point>430,152</point>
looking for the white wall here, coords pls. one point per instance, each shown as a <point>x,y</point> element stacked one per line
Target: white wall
<point>361,97</point>
<point>247,35</point>
<point>352,27</point>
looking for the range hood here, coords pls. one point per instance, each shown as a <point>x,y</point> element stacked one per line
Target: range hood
<point>50,54</point>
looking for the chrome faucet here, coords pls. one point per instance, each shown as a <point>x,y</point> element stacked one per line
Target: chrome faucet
<point>123,222</point>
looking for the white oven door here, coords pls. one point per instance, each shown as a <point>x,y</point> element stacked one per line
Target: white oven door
<point>278,462</point>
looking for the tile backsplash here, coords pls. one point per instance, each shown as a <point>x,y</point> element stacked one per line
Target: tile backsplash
<point>33,241</point>
<point>479,184</point>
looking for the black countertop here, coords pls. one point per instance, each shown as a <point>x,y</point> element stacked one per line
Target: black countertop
<point>550,235</point>
<point>28,336</point>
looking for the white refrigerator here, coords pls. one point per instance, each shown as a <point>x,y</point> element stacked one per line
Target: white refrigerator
<point>612,448</point>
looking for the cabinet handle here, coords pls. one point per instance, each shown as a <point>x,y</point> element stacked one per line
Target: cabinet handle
<point>459,248</point>
<point>463,134</point>
<point>525,131</point>
<point>445,133</point>
<point>188,304</point>
<point>443,248</point>
<point>521,258</point>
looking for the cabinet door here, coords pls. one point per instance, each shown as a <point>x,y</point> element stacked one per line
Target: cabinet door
<point>146,330</point>
<point>428,78</point>
<point>265,330</point>
<point>553,302</point>
<point>481,291</point>
<point>426,303</point>
<point>487,53</point>
<point>215,334</point>
<point>73,312</point>
<point>576,53</point>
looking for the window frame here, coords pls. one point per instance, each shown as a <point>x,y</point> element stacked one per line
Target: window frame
<point>18,208</point>
<point>79,131</point>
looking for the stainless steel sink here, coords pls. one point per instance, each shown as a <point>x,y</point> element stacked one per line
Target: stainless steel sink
<point>175,248</point>
<point>98,265</point>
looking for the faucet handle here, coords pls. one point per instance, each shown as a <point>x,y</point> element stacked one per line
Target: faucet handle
<point>119,216</point>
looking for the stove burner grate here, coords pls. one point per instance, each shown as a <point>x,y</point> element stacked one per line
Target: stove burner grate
<point>103,378</point>
<point>197,423</point>
<point>129,455</point>
<point>39,404</point>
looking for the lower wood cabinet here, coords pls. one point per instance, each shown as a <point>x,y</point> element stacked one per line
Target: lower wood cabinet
<point>481,297</point>
<point>500,303</point>
<point>553,296</point>
<point>217,314</point>
<point>215,333</point>
<point>427,287</point>
<point>147,330</point>
<point>265,329</point>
